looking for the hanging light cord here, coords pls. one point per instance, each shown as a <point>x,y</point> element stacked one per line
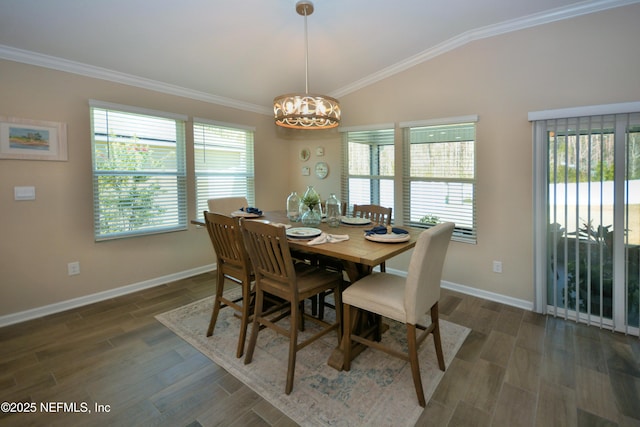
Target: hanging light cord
<point>306,54</point>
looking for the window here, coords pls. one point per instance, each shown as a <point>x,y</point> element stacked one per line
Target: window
<point>369,161</point>
<point>139,178</point>
<point>223,162</point>
<point>587,212</point>
<point>439,175</point>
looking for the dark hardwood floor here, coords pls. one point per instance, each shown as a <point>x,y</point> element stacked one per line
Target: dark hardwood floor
<point>516,368</point>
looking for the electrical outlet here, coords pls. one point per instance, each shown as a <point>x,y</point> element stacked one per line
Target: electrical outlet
<point>497,266</point>
<point>73,268</point>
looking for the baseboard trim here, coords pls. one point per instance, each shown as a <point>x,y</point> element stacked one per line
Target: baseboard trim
<point>491,296</point>
<point>46,310</point>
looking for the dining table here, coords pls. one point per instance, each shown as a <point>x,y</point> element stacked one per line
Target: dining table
<point>358,255</point>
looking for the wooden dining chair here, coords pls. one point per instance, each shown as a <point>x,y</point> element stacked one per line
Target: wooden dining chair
<point>343,207</point>
<point>379,215</point>
<point>405,300</point>
<point>278,275</point>
<point>226,205</point>
<point>234,266</point>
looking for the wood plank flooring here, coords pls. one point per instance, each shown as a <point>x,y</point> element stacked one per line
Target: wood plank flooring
<point>516,368</point>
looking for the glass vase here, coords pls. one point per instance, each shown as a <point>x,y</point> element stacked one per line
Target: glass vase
<point>333,211</point>
<point>310,208</point>
<point>311,218</point>
<point>293,207</point>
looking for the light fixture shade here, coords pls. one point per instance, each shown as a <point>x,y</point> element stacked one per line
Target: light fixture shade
<point>306,111</point>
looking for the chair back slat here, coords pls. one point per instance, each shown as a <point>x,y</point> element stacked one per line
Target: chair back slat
<point>376,213</point>
<point>425,270</point>
<point>269,252</point>
<point>226,238</point>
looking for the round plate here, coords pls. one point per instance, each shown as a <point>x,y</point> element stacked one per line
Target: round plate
<point>303,232</point>
<point>322,170</point>
<point>244,214</point>
<point>355,221</point>
<point>388,238</point>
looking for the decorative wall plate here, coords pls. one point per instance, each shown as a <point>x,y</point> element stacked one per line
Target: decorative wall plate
<point>322,170</point>
<point>304,154</point>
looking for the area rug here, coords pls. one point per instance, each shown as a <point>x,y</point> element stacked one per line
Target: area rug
<point>378,390</point>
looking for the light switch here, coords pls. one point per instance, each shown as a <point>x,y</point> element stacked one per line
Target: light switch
<point>24,193</point>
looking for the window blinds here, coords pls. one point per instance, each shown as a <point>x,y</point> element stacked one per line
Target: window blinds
<point>369,157</point>
<point>139,172</point>
<point>587,216</point>
<point>439,177</point>
<point>224,165</point>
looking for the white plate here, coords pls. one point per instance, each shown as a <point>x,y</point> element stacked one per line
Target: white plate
<point>388,238</point>
<point>244,214</point>
<point>355,221</point>
<point>303,232</point>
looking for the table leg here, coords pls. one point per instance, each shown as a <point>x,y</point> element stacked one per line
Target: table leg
<point>363,323</point>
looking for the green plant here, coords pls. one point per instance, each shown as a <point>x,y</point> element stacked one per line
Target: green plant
<point>311,200</point>
<point>430,219</point>
<point>590,273</point>
<point>127,201</point>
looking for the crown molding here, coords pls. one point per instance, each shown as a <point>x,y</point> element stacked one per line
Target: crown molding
<point>33,58</point>
<point>529,21</point>
<point>553,15</point>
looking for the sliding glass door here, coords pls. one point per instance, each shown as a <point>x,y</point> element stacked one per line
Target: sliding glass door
<point>591,212</point>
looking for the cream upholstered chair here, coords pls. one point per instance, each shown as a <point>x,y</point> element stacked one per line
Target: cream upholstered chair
<point>276,274</point>
<point>226,205</point>
<point>404,300</point>
<point>233,264</point>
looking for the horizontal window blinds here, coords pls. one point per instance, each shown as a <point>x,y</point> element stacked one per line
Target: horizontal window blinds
<point>224,163</point>
<point>439,177</point>
<point>139,173</point>
<point>369,157</point>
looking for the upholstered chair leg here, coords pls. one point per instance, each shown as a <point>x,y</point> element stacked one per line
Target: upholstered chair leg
<point>293,344</point>
<point>436,335</point>
<point>255,327</point>
<point>415,366</point>
<point>216,303</point>
<point>346,335</point>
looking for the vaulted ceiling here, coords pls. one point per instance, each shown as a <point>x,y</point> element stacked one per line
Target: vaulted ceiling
<point>243,53</point>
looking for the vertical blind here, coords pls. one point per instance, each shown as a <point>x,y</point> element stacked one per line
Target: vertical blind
<point>439,177</point>
<point>592,218</point>
<point>368,157</point>
<point>139,171</point>
<point>223,162</point>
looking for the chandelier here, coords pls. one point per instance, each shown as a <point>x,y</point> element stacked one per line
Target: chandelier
<point>306,111</point>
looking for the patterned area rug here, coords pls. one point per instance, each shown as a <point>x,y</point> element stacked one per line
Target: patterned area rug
<point>377,391</point>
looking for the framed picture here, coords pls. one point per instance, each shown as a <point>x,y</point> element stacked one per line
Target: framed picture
<point>25,139</point>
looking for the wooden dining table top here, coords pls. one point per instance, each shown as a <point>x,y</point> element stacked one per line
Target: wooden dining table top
<point>356,250</point>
